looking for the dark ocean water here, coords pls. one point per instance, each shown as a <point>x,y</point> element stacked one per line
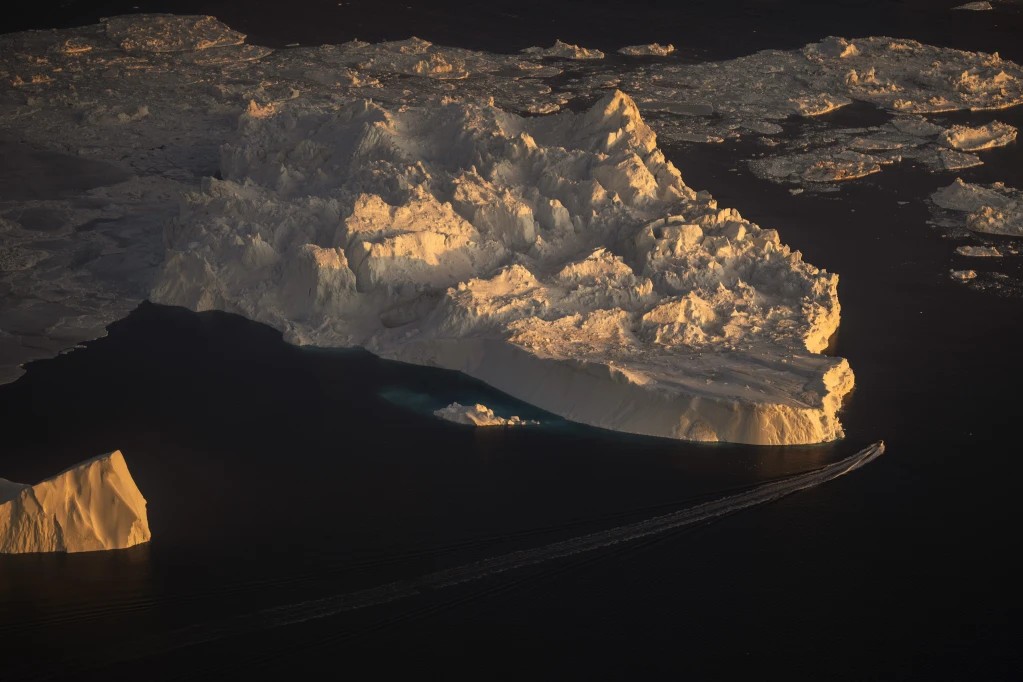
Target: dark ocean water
<point>276,474</point>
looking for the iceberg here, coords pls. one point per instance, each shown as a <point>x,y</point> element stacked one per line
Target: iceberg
<point>979,251</point>
<point>560,259</point>
<point>477,415</point>
<point>92,506</point>
<point>109,125</point>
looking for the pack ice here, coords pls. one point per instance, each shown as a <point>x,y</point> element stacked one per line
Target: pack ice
<point>560,259</point>
<point>92,506</point>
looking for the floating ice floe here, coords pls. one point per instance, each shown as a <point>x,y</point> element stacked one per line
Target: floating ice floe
<point>963,275</point>
<point>990,209</point>
<point>757,94</point>
<point>477,415</point>
<point>904,77</point>
<point>92,506</point>
<point>967,139</point>
<point>562,50</point>
<point>979,251</point>
<point>981,6</point>
<point>651,50</point>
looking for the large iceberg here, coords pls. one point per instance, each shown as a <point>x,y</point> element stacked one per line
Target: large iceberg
<point>106,126</point>
<point>560,259</point>
<point>92,506</point>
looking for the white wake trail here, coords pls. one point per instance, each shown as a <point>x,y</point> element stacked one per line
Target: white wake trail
<point>337,604</point>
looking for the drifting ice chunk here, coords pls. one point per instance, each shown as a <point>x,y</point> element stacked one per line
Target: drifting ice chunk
<point>477,415</point>
<point>967,139</point>
<point>564,51</point>
<point>951,160</point>
<point>92,506</point>
<point>975,6</point>
<point>991,209</point>
<point>979,251</point>
<point>651,50</point>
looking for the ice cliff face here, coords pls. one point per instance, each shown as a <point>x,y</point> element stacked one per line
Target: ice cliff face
<point>560,259</point>
<point>92,506</point>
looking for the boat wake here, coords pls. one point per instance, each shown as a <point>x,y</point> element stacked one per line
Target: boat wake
<point>337,604</point>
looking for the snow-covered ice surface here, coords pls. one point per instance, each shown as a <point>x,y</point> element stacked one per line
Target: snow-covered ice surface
<point>477,415</point>
<point>92,506</point>
<point>393,195</point>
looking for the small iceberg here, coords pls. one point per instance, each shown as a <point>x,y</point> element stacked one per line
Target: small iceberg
<point>92,506</point>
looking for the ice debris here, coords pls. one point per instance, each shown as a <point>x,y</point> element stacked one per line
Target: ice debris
<point>979,251</point>
<point>562,50</point>
<point>477,415</point>
<point>989,209</point>
<point>651,50</point>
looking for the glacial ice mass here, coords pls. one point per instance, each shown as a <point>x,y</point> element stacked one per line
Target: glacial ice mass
<point>560,259</point>
<point>394,196</point>
<point>92,506</point>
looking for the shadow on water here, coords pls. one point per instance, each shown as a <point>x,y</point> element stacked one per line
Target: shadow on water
<point>275,473</point>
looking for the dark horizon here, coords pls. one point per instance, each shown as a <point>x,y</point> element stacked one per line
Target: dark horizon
<point>723,29</point>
